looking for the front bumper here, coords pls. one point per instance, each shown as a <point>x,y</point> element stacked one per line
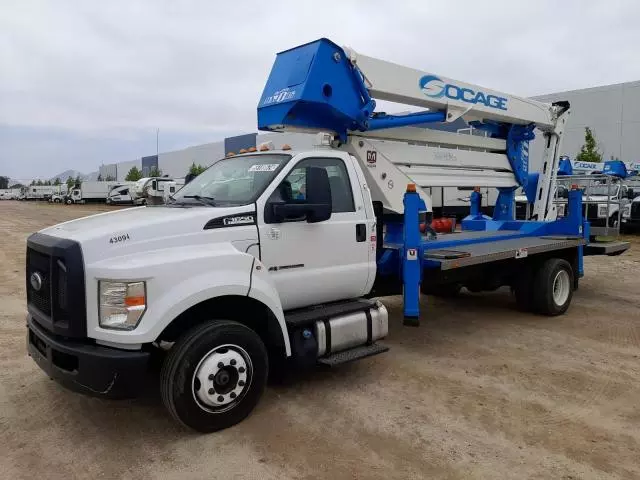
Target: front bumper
<point>87,368</point>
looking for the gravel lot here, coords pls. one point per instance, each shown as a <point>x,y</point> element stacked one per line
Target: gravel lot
<point>478,391</point>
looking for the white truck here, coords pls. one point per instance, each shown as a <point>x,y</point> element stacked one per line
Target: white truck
<point>273,259</point>
<point>10,194</point>
<point>59,194</point>
<point>121,194</point>
<point>90,192</point>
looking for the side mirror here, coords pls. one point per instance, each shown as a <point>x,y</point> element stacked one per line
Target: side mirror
<point>631,194</point>
<point>315,207</point>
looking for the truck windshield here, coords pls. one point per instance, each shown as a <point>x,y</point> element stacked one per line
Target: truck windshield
<point>233,181</point>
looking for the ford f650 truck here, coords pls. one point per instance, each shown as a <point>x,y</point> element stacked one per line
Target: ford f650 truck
<point>275,257</point>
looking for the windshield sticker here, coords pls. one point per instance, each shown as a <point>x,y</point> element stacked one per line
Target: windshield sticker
<point>268,167</point>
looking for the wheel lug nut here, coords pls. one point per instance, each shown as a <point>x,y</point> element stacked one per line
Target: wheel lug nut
<point>220,364</point>
<point>232,395</point>
<point>220,398</point>
<point>233,362</point>
<point>211,391</point>
<point>241,369</point>
<point>241,383</point>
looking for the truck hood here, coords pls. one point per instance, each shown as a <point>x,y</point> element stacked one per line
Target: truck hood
<point>134,230</point>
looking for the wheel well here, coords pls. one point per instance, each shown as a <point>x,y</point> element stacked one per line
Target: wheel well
<point>245,310</point>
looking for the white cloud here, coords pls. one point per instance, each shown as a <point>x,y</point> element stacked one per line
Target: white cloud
<point>201,65</point>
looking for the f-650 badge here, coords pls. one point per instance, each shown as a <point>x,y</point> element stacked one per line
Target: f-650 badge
<point>243,220</point>
<point>119,238</point>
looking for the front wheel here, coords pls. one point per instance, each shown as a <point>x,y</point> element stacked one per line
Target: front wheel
<point>214,375</point>
<point>69,201</point>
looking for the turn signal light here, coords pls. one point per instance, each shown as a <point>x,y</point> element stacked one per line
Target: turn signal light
<point>411,187</point>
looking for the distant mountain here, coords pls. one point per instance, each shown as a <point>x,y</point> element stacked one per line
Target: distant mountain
<point>66,174</point>
<point>89,177</point>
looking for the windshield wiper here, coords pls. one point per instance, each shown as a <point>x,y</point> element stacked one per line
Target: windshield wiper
<point>204,200</point>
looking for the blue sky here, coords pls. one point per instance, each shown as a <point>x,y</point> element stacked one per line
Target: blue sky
<point>84,83</point>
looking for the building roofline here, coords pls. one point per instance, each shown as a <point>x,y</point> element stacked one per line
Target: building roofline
<point>635,83</point>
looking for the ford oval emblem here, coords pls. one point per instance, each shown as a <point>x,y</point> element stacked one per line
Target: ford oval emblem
<point>36,281</point>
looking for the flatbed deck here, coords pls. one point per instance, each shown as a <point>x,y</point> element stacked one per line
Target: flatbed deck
<point>480,253</point>
<point>465,249</point>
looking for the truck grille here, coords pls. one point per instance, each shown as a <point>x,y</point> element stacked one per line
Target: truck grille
<point>39,264</point>
<point>59,303</point>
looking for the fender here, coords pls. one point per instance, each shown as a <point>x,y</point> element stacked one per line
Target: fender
<point>196,275</point>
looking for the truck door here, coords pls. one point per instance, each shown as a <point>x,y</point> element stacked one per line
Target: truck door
<point>313,263</point>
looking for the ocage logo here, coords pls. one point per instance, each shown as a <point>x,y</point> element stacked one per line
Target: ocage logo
<point>435,87</point>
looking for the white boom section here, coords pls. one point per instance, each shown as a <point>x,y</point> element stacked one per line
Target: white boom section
<point>392,158</point>
<point>396,83</point>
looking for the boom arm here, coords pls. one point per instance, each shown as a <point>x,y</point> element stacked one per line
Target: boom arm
<point>320,87</point>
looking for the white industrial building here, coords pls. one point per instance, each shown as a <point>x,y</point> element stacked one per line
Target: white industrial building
<point>612,112</point>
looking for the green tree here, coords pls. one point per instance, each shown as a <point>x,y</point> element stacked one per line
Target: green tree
<point>196,169</point>
<point>70,182</point>
<point>134,175</point>
<point>4,182</point>
<point>110,178</point>
<point>78,181</point>
<point>589,151</point>
<point>33,182</point>
<point>46,182</point>
<point>17,185</point>
<point>39,183</point>
<point>155,172</point>
<point>57,181</point>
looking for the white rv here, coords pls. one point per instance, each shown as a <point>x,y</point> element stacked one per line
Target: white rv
<point>150,190</point>
<point>121,194</point>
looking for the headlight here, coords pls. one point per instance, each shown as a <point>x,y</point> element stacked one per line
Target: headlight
<point>121,304</point>
<point>626,211</point>
<point>602,211</point>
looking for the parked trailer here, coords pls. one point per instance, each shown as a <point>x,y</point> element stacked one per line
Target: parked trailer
<point>121,194</point>
<point>34,192</point>
<point>150,190</point>
<point>274,258</point>
<point>90,192</point>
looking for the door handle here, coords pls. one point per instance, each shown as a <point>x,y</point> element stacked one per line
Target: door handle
<point>361,232</point>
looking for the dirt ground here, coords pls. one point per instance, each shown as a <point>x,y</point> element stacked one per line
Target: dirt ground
<point>478,391</point>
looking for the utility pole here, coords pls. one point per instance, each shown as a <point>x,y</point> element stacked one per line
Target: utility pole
<point>157,137</point>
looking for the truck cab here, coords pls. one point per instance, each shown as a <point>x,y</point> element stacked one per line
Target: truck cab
<point>252,237</point>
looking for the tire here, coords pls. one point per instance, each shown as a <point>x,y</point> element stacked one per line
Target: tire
<point>69,201</point>
<point>197,355</point>
<point>553,287</point>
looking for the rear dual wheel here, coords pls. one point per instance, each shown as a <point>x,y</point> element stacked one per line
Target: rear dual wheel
<point>547,289</point>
